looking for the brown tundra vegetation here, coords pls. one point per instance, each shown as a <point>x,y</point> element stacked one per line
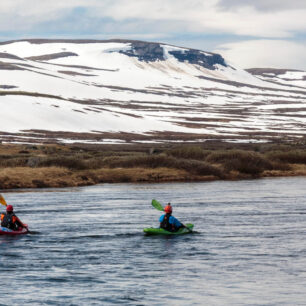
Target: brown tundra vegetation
<point>42,166</point>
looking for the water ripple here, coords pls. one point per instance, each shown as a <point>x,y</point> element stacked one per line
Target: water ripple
<point>87,246</point>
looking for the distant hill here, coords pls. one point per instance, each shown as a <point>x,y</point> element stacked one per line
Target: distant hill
<point>125,91</point>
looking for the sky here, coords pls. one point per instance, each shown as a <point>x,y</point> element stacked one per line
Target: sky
<point>247,33</point>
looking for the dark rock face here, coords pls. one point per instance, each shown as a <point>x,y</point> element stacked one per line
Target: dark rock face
<point>144,51</point>
<point>197,57</point>
<point>151,52</point>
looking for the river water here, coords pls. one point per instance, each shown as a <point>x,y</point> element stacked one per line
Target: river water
<point>88,247</point>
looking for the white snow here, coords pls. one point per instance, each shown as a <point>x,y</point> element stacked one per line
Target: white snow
<point>106,91</point>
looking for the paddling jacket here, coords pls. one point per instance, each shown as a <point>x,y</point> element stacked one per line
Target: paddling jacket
<point>169,223</point>
<point>11,221</point>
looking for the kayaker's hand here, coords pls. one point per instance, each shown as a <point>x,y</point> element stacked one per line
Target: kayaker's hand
<point>189,230</point>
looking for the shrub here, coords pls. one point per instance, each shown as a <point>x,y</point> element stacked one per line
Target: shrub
<point>293,157</point>
<point>188,152</point>
<point>66,162</point>
<point>156,161</point>
<point>276,165</point>
<point>150,161</point>
<point>199,168</point>
<point>223,156</point>
<point>243,166</point>
<point>243,161</point>
<point>12,161</point>
<point>94,163</point>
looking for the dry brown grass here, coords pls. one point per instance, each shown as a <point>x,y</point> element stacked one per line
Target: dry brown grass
<point>139,175</point>
<point>24,177</point>
<point>295,170</point>
<point>23,166</point>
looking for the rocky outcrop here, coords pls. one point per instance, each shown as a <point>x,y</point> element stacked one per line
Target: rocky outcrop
<point>196,57</point>
<point>144,51</point>
<point>151,52</point>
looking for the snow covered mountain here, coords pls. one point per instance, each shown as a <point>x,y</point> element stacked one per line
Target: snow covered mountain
<point>132,91</point>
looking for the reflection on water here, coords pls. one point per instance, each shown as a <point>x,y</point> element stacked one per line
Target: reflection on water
<point>89,248</point>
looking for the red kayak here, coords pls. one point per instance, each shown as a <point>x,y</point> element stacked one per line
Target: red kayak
<point>7,231</point>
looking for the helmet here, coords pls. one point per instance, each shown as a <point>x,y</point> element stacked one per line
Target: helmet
<point>9,208</point>
<point>168,209</point>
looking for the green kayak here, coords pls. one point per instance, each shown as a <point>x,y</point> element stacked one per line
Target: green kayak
<point>160,231</point>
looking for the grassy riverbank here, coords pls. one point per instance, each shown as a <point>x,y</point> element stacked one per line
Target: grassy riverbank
<point>28,166</point>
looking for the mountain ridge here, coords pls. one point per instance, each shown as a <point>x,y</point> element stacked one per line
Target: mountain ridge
<point>187,94</point>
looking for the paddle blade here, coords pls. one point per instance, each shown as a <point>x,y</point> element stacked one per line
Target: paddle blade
<point>2,200</point>
<point>157,205</point>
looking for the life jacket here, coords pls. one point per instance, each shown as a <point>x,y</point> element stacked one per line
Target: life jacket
<point>165,223</point>
<point>9,221</point>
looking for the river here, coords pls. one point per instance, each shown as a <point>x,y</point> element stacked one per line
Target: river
<point>88,247</point>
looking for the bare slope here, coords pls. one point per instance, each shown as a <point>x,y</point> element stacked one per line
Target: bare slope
<point>132,91</point>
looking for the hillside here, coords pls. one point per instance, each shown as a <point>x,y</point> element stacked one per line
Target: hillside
<point>119,91</point>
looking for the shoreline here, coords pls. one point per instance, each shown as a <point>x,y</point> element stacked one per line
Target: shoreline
<point>61,178</point>
<point>59,166</point>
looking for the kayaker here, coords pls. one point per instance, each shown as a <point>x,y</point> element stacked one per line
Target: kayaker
<point>168,222</point>
<point>10,220</point>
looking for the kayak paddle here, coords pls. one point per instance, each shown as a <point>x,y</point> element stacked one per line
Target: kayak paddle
<point>157,205</point>
<point>2,200</point>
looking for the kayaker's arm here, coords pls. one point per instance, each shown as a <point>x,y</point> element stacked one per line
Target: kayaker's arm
<point>183,225</point>
<point>19,223</point>
<point>179,224</point>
